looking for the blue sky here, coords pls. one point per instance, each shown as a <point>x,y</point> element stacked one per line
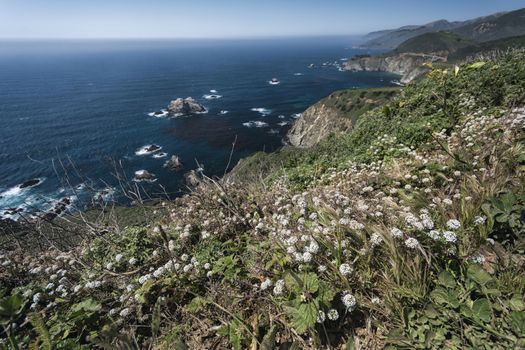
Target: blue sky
<point>227,18</point>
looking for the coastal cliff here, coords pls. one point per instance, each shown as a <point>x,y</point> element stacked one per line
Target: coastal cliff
<point>335,114</point>
<point>409,66</point>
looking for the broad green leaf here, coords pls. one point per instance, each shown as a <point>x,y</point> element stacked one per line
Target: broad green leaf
<point>88,305</point>
<point>310,282</point>
<point>481,310</point>
<point>303,317</point>
<point>446,279</point>
<point>477,274</point>
<point>11,305</point>
<point>516,303</point>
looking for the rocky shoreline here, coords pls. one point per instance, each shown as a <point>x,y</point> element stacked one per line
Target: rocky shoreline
<point>409,66</point>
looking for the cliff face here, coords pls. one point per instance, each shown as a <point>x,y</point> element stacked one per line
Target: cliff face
<point>316,124</point>
<point>335,114</point>
<point>408,65</point>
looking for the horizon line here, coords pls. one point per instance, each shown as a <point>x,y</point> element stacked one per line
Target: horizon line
<point>256,37</point>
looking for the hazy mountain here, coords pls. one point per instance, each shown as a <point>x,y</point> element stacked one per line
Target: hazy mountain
<point>392,38</point>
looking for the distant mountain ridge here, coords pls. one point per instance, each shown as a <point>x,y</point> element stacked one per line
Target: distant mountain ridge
<point>474,28</point>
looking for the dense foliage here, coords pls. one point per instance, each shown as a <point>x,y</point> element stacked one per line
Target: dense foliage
<point>406,233</point>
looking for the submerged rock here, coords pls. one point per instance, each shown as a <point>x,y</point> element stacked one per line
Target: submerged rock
<point>30,183</point>
<point>144,175</point>
<point>185,106</point>
<point>173,163</point>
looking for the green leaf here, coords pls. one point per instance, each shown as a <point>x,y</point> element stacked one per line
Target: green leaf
<point>476,65</point>
<point>43,333</point>
<point>197,304</point>
<point>517,320</point>
<point>481,310</point>
<point>446,297</point>
<point>477,274</point>
<point>350,344</point>
<point>303,317</point>
<point>11,305</point>
<point>268,342</point>
<point>156,317</point>
<point>310,282</point>
<point>516,303</point>
<point>88,305</point>
<point>446,279</point>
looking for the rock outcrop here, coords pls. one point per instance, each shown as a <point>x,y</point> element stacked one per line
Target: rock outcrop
<point>409,66</point>
<point>185,106</point>
<point>192,178</point>
<point>317,123</point>
<point>173,163</point>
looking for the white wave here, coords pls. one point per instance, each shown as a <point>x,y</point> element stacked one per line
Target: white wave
<point>262,111</point>
<point>282,123</point>
<point>281,116</point>
<point>140,173</point>
<point>212,96</point>
<point>160,155</point>
<point>148,149</point>
<point>20,188</point>
<point>224,112</point>
<point>298,74</point>
<point>297,115</point>
<point>105,194</point>
<point>214,91</point>
<point>273,131</point>
<point>163,113</point>
<point>274,82</point>
<point>255,124</point>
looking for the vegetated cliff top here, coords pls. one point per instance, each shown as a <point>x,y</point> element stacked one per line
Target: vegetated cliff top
<point>405,233</point>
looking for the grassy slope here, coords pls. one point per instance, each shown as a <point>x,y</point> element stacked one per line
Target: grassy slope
<point>487,47</point>
<point>309,256</point>
<point>434,42</point>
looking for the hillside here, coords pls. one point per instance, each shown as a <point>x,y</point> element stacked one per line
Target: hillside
<point>486,48</point>
<point>489,28</point>
<point>405,233</point>
<point>438,42</point>
<point>390,39</point>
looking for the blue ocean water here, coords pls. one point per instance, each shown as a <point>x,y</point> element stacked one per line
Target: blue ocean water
<point>71,110</point>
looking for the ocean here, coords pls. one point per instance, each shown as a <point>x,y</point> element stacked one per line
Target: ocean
<point>75,114</point>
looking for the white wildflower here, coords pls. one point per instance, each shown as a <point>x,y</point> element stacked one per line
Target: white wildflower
<point>376,239</point>
<point>453,224</point>
<point>349,301</point>
<point>450,236</point>
<point>321,316</point>
<point>279,287</point>
<point>267,283</point>
<point>396,233</point>
<point>345,269</point>
<point>412,243</point>
<point>333,315</point>
<point>124,312</point>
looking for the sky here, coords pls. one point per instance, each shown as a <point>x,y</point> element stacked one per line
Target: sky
<point>25,19</point>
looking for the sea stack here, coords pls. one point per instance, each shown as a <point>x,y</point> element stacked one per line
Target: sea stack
<point>185,106</point>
